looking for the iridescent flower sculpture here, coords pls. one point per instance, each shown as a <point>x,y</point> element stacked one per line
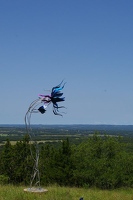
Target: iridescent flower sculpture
<point>55,97</point>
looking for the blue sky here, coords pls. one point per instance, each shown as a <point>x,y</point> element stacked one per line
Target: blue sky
<point>87,43</point>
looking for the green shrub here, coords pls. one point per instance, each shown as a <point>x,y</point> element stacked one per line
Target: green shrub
<point>3,179</point>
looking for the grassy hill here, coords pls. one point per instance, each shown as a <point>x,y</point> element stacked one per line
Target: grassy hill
<point>64,193</point>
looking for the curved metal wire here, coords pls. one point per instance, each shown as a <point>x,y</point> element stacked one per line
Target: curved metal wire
<point>35,173</point>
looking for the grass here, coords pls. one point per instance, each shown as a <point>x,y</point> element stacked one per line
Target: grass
<point>10,192</point>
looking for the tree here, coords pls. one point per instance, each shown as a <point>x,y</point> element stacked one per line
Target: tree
<point>7,160</point>
<point>22,161</point>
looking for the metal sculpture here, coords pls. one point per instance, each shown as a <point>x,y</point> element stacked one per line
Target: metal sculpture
<point>39,106</point>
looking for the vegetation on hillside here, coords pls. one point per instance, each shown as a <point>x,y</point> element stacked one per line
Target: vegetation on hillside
<point>101,162</point>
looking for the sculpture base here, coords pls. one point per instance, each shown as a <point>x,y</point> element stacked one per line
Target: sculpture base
<point>35,190</point>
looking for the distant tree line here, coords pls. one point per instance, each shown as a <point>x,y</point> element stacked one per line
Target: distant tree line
<point>97,162</point>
